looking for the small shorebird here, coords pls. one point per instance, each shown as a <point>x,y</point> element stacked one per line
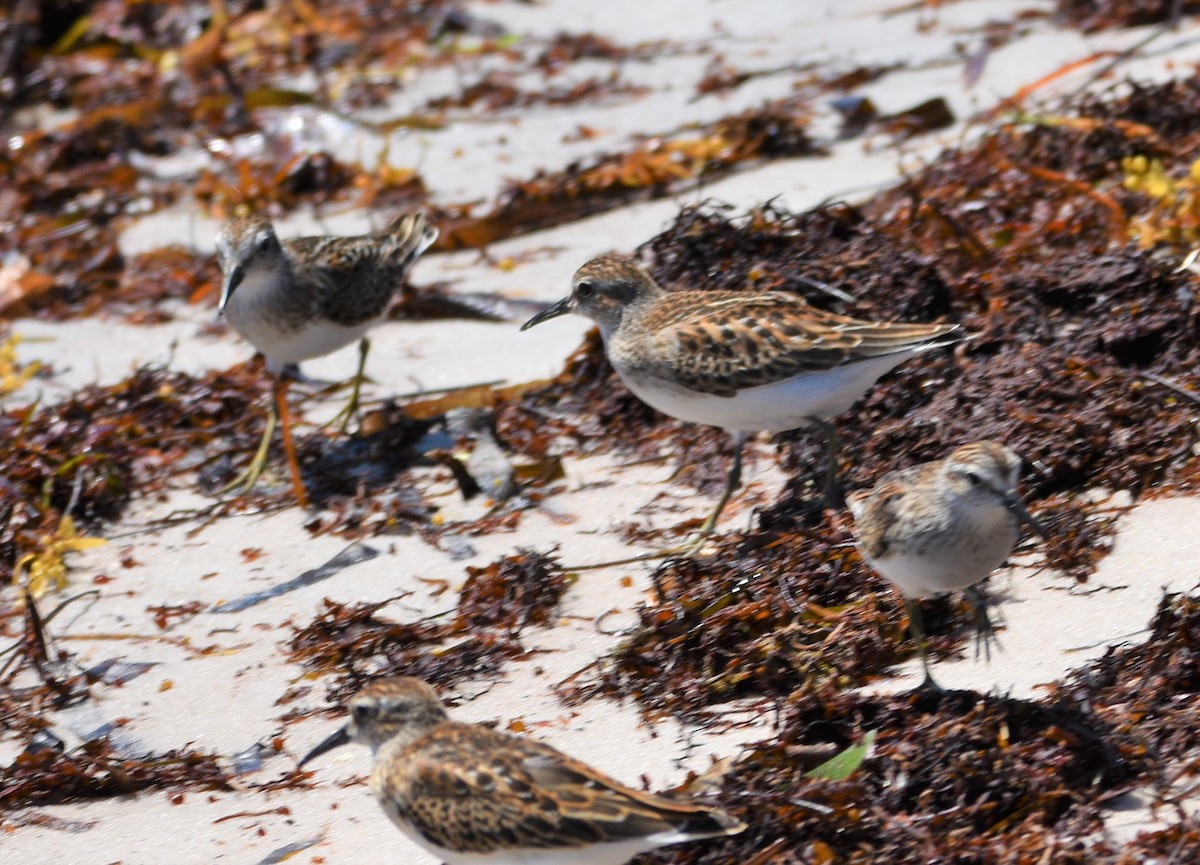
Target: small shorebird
<point>475,796</point>
<point>941,526</point>
<point>746,362</point>
<point>305,297</point>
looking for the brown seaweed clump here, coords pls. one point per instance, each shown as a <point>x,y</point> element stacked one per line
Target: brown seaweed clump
<point>956,777</point>
<point>1093,15</point>
<point>47,777</point>
<point>979,779</point>
<point>497,603</point>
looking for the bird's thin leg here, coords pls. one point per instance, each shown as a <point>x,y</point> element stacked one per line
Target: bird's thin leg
<point>692,546</point>
<point>289,446</point>
<point>343,417</point>
<point>732,482</point>
<point>248,477</point>
<point>916,626</point>
<point>985,633</point>
<point>829,431</point>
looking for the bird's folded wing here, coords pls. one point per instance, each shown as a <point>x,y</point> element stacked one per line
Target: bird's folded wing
<point>877,510</point>
<point>530,796</point>
<point>752,340</point>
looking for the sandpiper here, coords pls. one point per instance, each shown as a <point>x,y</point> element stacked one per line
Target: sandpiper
<point>942,526</point>
<point>304,297</point>
<point>746,362</point>
<point>475,796</point>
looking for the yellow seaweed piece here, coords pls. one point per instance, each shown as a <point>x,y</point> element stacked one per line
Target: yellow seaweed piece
<point>46,567</point>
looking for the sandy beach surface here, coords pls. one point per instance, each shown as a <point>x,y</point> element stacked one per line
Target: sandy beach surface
<point>216,675</point>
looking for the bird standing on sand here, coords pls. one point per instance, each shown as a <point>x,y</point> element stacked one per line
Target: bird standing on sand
<point>942,526</point>
<point>742,361</point>
<point>305,297</point>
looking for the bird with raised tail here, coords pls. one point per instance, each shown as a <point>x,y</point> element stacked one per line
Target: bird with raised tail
<point>304,297</point>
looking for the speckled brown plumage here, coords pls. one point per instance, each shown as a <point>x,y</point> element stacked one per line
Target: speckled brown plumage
<point>466,787</point>
<point>719,343</point>
<point>937,506</point>
<point>472,794</point>
<point>309,296</point>
<point>302,297</point>
<point>742,361</point>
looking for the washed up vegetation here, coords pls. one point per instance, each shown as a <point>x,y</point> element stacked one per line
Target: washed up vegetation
<point>974,778</point>
<point>46,772</point>
<point>74,465</point>
<point>1093,15</point>
<point>47,777</point>
<point>496,603</point>
<point>657,167</point>
<point>181,104</point>
<point>1055,238</point>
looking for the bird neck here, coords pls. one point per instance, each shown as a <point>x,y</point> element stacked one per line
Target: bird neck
<point>620,318</point>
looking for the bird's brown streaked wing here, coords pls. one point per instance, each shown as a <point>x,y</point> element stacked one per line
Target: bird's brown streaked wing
<point>374,264</point>
<point>589,795</point>
<point>877,515</point>
<point>521,792</point>
<point>877,509</point>
<point>408,235</point>
<point>721,344</point>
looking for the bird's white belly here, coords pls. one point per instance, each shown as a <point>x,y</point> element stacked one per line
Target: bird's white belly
<point>951,559</point>
<point>314,340</point>
<point>776,407</point>
<point>617,853</point>
<point>284,344</point>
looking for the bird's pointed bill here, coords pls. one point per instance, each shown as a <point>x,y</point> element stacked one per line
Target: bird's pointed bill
<point>336,740</point>
<point>1017,509</point>
<point>232,280</point>
<point>552,311</point>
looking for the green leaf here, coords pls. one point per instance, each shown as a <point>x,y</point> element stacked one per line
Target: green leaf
<point>842,766</point>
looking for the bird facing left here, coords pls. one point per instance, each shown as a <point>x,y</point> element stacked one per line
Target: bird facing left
<point>475,796</point>
<point>304,297</point>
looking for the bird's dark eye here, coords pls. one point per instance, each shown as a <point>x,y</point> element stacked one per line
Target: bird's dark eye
<point>585,289</point>
<point>974,479</point>
<point>361,712</point>
<point>264,242</point>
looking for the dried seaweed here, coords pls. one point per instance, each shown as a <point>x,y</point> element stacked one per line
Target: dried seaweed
<point>497,603</point>
<point>497,91</point>
<point>962,777</point>
<point>85,456</point>
<point>977,779</point>
<point>511,593</point>
<point>1149,691</point>
<point>143,85</point>
<point>659,166</point>
<point>1177,842</point>
<point>45,773</point>
<point>566,48</point>
<point>47,777</point>
<point>1093,15</point>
